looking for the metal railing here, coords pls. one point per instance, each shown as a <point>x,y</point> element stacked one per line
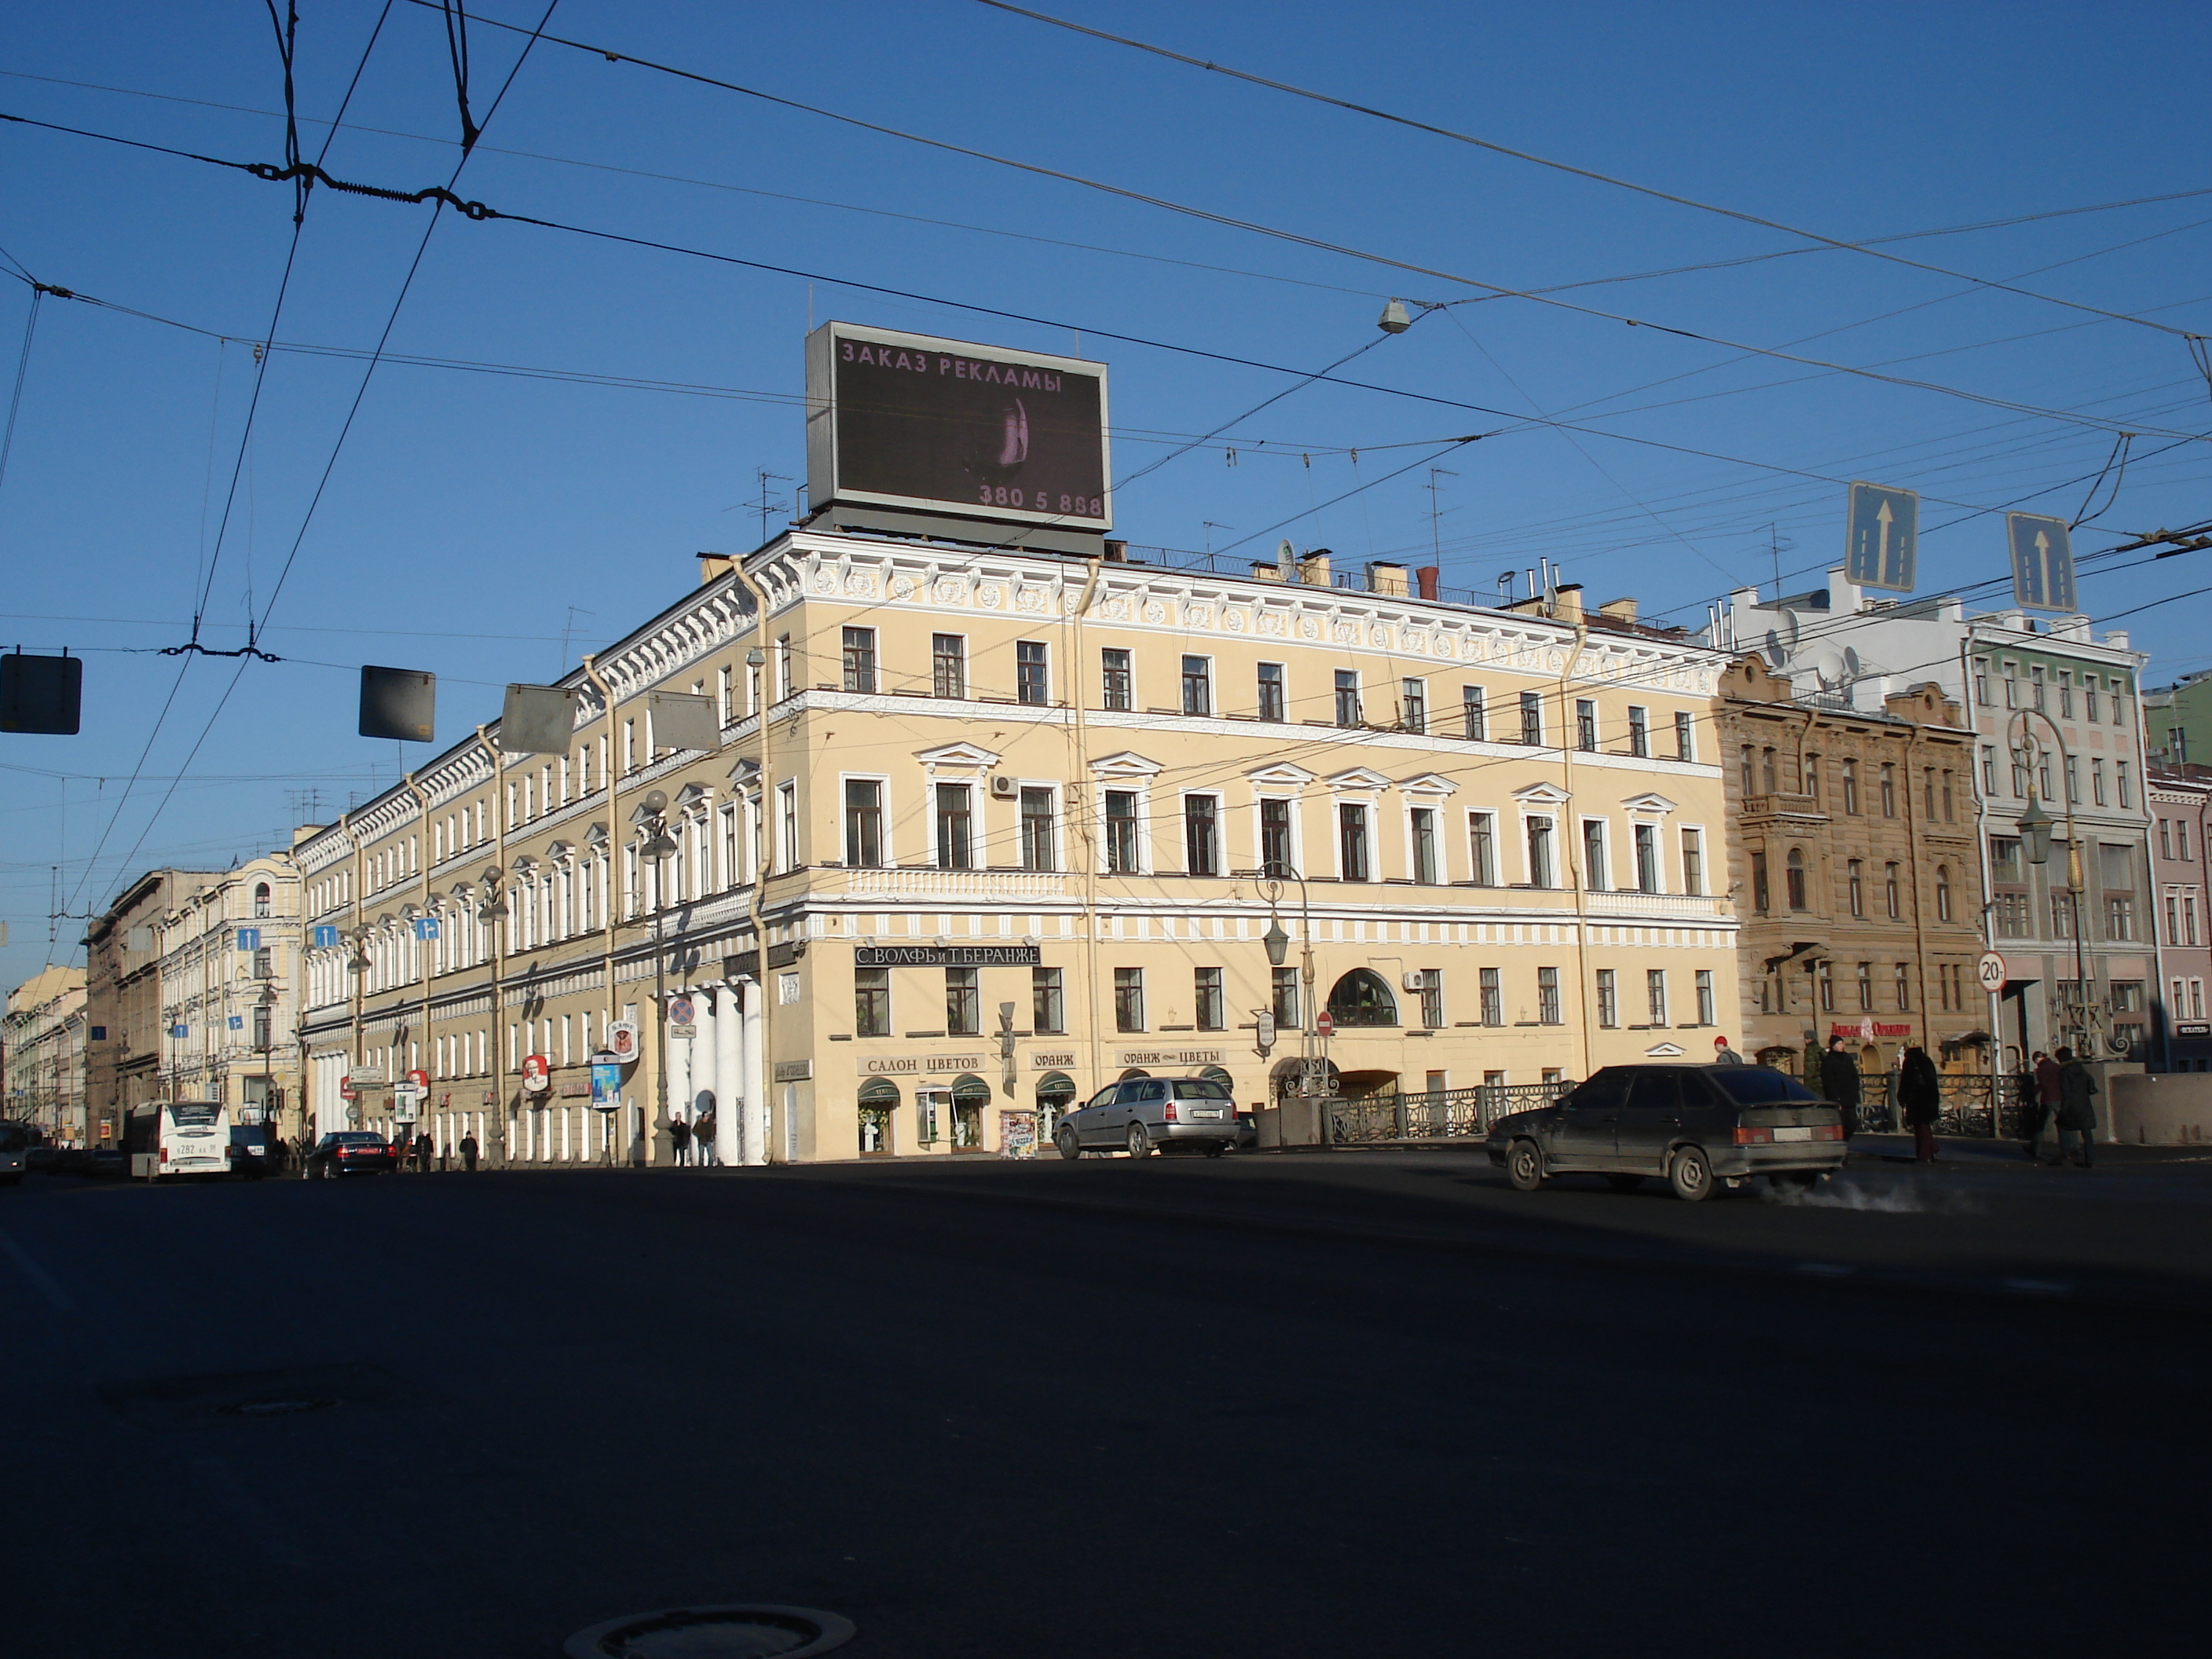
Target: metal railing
<point>1440,1115</point>
<point>1973,1105</point>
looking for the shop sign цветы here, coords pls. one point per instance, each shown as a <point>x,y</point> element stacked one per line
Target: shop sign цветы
<point>948,955</point>
<point>1170,1057</point>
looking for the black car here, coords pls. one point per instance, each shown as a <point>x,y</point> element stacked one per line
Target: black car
<point>106,1163</point>
<point>1694,1126</point>
<point>350,1152</point>
<point>251,1153</point>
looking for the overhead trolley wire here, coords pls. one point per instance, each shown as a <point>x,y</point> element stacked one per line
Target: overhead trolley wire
<point>1838,244</point>
<point>1301,239</point>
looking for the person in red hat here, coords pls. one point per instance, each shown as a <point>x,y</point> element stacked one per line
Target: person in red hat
<point>1724,1055</point>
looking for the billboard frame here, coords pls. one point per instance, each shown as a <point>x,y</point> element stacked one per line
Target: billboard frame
<point>828,493</point>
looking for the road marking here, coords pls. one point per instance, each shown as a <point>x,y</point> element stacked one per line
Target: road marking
<point>49,1287</point>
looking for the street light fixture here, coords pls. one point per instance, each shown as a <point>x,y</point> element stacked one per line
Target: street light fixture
<point>1277,941</point>
<point>2035,832</point>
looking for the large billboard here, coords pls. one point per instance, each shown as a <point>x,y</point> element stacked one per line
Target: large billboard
<point>943,427</point>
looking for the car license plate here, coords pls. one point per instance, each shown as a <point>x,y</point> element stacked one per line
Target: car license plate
<point>1214,1114</point>
<point>1800,1133</point>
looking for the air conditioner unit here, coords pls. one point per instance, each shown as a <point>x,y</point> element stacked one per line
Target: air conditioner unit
<point>1004,788</point>
<point>1417,979</point>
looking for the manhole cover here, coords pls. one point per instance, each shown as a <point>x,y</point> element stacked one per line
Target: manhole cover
<point>723,1633</point>
<point>275,1407</point>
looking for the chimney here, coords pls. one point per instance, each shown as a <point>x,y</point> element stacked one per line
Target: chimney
<point>1313,569</point>
<point>1567,602</point>
<point>714,566</point>
<point>1621,611</point>
<point>1386,578</point>
<point>1426,576</point>
<point>1116,552</point>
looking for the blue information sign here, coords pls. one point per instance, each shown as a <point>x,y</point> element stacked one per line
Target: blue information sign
<point>2042,561</point>
<point>179,1032</point>
<point>326,937</point>
<point>426,927</point>
<point>1883,544</point>
<point>249,938</point>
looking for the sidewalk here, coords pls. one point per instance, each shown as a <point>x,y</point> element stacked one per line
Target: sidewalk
<point>1977,1152</point>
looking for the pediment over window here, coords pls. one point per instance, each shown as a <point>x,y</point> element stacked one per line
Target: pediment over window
<point>1127,764</point>
<point>1664,1051</point>
<point>1433,784</point>
<point>596,838</point>
<point>956,757</point>
<point>1542,795</point>
<point>1357,778</point>
<point>692,795</point>
<point>561,852</point>
<point>1281,775</point>
<point>1650,801</point>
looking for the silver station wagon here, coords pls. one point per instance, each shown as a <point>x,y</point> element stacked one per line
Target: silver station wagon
<point>1138,1114</point>
<point>1694,1127</point>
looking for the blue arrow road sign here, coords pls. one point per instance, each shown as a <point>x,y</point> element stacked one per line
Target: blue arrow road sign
<point>426,927</point>
<point>1884,540</point>
<point>249,938</point>
<point>2042,561</point>
<point>325,937</point>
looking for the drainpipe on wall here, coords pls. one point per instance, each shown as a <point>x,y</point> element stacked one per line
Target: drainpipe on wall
<point>1079,780</point>
<point>430,953</point>
<point>1573,850</point>
<point>496,1125</point>
<point>752,1002</point>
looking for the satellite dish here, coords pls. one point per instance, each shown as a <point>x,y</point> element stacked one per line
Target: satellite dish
<point>1850,662</point>
<point>1775,653</point>
<point>1789,623</point>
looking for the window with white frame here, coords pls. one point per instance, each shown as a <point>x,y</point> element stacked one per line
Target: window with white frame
<point>1595,877</point>
<point>1421,828</point>
<point>1482,849</point>
<point>1039,838</point>
<point>864,823</point>
<point>1539,846</point>
<point>1353,863</point>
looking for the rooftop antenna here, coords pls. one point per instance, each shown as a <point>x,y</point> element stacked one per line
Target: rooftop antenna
<point>766,504</point>
<point>1436,513</point>
<point>1211,526</point>
<point>569,628</point>
<point>1505,587</point>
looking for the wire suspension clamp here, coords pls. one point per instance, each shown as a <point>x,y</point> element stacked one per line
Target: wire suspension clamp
<point>315,175</point>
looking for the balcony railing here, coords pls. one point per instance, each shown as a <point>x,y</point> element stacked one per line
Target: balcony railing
<point>1671,907</point>
<point>930,883</point>
<point>1780,804</point>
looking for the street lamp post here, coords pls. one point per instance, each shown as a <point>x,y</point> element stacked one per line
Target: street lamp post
<point>657,845</point>
<point>492,912</point>
<point>1313,1049</point>
<point>2035,838</point>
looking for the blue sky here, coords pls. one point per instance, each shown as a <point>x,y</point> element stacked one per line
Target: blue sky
<point>476,521</point>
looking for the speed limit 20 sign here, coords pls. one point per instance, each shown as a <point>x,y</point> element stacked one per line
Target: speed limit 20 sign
<point>1991,970</point>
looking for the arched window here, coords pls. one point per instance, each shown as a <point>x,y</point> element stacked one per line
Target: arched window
<point>1793,876</point>
<point>1363,997</point>
<point>1858,888</point>
<point>260,898</point>
<point>1942,892</point>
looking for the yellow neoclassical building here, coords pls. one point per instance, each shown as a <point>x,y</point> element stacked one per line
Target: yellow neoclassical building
<point>985,830</point>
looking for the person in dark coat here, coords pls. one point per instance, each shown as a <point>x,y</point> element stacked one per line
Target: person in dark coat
<point>2077,1116</point>
<point>469,1153</point>
<point>1839,1081</point>
<point>1724,1055</point>
<point>679,1138</point>
<point>1920,1093</point>
<point>703,1136</point>
<point>2033,1113</point>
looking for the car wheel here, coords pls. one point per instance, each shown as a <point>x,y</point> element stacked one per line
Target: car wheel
<point>1140,1142</point>
<point>1524,1166</point>
<point>1070,1148</point>
<point>1624,1183</point>
<point>1690,1173</point>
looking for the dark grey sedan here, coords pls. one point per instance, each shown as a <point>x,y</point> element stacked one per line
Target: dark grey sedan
<point>1141,1114</point>
<point>1692,1126</point>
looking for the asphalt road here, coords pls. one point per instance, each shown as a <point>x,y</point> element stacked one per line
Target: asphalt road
<point>1351,1404</point>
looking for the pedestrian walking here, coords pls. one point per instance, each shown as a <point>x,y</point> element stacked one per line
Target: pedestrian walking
<point>702,1134</point>
<point>2033,1113</point>
<point>1839,1081</point>
<point>469,1152</point>
<point>2077,1116</point>
<point>1920,1094</point>
<point>1724,1055</point>
<point>423,1151</point>
<point>679,1137</point>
